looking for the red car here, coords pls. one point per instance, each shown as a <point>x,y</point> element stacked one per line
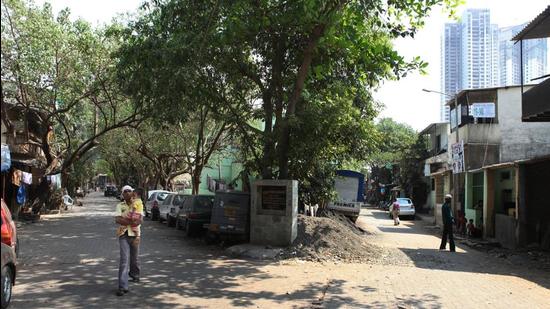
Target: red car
<point>9,255</point>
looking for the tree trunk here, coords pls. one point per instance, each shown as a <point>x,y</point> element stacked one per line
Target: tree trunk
<point>196,179</point>
<point>284,137</point>
<point>268,138</point>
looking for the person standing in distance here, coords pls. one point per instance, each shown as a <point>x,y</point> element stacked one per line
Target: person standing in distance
<point>128,216</point>
<point>446,213</point>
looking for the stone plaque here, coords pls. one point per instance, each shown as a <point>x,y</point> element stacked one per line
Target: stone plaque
<point>274,211</point>
<point>274,198</point>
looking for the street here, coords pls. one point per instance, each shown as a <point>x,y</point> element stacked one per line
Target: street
<point>71,261</point>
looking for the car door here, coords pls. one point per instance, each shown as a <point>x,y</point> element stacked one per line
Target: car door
<point>177,201</point>
<point>165,206</point>
<point>187,207</point>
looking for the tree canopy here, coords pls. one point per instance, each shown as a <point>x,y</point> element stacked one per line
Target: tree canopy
<point>64,70</point>
<point>304,69</point>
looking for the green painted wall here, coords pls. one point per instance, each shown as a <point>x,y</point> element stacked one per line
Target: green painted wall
<point>221,166</point>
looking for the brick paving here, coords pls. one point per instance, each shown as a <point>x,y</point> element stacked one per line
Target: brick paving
<point>70,261</point>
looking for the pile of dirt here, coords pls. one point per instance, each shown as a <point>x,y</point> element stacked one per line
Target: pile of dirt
<point>332,239</point>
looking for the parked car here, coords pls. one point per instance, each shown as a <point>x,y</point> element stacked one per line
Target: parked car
<point>169,208</point>
<point>230,216</point>
<point>196,211</point>
<point>9,255</point>
<point>164,207</point>
<point>152,203</point>
<point>406,207</point>
<point>111,190</point>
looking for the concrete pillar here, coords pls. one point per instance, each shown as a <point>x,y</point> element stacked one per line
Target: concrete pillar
<point>521,207</point>
<point>488,203</point>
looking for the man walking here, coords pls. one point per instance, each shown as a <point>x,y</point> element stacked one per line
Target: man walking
<point>128,215</point>
<point>447,225</point>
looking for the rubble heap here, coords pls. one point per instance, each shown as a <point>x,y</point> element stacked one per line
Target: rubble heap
<point>331,239</point>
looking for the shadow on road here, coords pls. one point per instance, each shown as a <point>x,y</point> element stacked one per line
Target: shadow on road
<point>71,261</point>
<point>474,262</point>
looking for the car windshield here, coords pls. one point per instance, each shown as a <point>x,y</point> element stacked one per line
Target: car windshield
<point>203,202</point>
<point>404,201</point>
<point>162,196</point>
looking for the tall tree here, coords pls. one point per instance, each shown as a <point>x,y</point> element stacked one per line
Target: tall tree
<point>63,69</point>
<point>265,59</point>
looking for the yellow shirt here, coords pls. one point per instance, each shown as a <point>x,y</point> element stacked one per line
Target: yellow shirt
<point>123,210</point>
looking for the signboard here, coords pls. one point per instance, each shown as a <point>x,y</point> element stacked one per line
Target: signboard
<point>274,198</point>
<point>458,157</point>
<point>483,110</point>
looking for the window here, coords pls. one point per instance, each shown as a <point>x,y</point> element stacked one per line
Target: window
<point>504,176</point>
<point>161,196</point>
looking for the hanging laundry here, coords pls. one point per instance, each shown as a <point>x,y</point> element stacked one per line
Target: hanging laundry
<point>26,178</point>
<point>6,158</point>
<point>56,181</point>
<point>16,177</point>
<point>21,194</point>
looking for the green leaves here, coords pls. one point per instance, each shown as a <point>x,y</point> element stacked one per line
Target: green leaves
<point>305,69</point>
<point>64,69</point>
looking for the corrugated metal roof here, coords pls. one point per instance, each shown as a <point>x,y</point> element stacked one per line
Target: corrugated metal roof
<point>537,28</point>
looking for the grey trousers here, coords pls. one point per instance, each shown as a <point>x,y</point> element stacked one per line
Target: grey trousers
<point>129,262</point>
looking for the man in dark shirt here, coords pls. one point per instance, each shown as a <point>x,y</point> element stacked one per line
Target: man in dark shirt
<point>447,225</point>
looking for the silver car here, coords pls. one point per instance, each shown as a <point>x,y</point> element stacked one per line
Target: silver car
<point>170,207</point>
<point>406,207</point>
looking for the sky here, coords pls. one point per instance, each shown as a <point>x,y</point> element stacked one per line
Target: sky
<point>404,99</point>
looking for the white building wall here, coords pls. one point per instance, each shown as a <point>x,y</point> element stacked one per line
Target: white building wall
<point>520,140</point>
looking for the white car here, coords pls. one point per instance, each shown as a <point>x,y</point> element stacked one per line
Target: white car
<point>406,207</point>
<point>170,207</point>
<point>155,197</point>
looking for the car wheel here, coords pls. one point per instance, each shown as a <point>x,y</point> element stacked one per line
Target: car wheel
<point>169,221</point>
<point>7,285</point>
<point>179,226</point>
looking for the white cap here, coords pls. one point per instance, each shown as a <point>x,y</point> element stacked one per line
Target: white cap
<point>126,188</point>
<point>448,196</point>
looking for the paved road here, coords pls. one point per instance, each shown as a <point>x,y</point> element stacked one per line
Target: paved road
<point>70,261</point>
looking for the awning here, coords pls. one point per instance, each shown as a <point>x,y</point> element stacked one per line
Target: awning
<point>431,127</point>
<point>538,28</point>
<point>440,173</point>
<point>511,163</point>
